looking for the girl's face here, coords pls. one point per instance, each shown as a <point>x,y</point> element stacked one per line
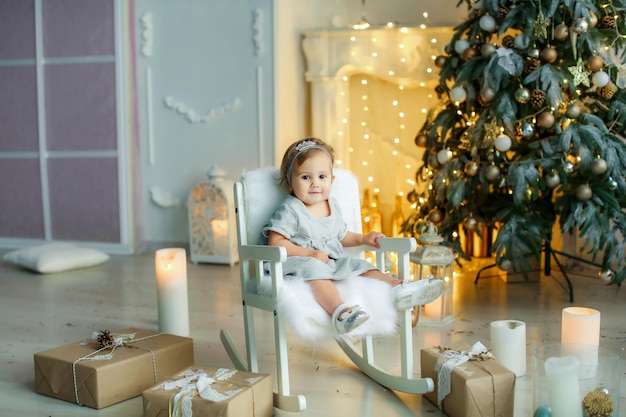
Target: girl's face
<point>311,181</point>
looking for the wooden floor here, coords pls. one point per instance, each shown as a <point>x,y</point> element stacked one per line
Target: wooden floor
<point>38,312</point>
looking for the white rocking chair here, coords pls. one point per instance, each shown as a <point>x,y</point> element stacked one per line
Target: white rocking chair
<point>256,198</point>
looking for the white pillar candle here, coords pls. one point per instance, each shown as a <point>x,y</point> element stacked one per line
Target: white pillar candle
<point>580,336</point>
<point>171,280</point>
<point>563,386</point>
<point>508,344</point>
<point>580,325</point>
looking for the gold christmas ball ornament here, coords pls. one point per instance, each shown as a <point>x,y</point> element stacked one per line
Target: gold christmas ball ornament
<point>606,275</point>
<point>593,19</point>
<point>492,172</point>
<point>572,111</point>
<point>522,95</point>
<point>487,93</point>
<point>504,264</point>
<point>552,179</point>
<point>487,50</point>
<point>580,25</point>
<point>471,168</point>
<point>468,54</point>
<point>561,32</point>
<point>440,61</point>
<point>594,63</point>
<point>470,223</point>
<point>548,55</point>
<point>583,192</point>
<point>599,166</point>
<point>433,162</point>
<point>545,120</point>
<point>421,140</point>
<point>435,216</point>
<point>411,196</point>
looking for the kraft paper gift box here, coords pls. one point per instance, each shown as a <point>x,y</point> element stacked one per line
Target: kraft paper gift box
<point>479,386</point>
<point>211,392</point>
<point>85,374</point>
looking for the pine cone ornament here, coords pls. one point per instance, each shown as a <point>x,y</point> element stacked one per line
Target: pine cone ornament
<point>598,404</point>
<point>531,64</point>
<point>608,91</point>
<point>508,42</point>
<point>501,14</point>
<point>608,22</point>
<point>106,340</point>
<point>537,98</point>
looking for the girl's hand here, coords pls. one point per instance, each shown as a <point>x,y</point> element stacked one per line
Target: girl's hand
<point>371,237</point>
<point>318,254</point>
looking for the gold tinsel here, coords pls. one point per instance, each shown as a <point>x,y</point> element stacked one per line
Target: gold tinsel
<point>597,404</point>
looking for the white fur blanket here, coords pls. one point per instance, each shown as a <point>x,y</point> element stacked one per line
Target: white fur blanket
<point>297,304</point>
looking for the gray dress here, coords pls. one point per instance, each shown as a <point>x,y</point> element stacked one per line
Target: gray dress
<point>294,221</point>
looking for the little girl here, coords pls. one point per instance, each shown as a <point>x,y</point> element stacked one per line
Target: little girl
<point>309,225</point>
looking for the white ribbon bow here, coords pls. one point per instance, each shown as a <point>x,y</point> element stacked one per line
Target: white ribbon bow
<point>449,360</point>
<point>197,383</point>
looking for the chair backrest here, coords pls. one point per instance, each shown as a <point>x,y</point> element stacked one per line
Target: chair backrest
<point>263,194</point>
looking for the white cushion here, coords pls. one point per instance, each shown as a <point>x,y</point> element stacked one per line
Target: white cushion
<point>55,257</point>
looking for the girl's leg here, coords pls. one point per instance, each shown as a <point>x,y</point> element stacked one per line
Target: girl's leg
<point>344,317</point>
<point>326,294</point>
<point>375,273</point>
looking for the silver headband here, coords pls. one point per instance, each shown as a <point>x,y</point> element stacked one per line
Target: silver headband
<point>301,148</point>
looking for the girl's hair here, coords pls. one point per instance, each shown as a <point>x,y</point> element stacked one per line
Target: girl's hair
<point>299,152</point>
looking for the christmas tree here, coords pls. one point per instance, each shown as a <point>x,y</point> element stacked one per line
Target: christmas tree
<point>529,133</point>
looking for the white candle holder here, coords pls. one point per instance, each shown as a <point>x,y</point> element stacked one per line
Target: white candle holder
<point>171,280</point>
<point>508,344</point>
<point>560,391</point>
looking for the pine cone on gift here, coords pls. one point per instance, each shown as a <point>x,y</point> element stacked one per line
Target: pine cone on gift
<point>106,340</point>
<point>608,22</point>
<point>537,98</point>
<point>531,64</point>
<point>508,42</point>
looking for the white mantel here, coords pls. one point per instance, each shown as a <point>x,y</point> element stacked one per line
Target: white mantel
<point>402,55</point>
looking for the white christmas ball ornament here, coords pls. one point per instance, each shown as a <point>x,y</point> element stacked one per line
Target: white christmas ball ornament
<point>503,143</point>
<point>458,94</point>
<point>521,42</point>
<point>487,23</point>
<point>461,45</point>
<point>444,156</point>
<point>600,79</point>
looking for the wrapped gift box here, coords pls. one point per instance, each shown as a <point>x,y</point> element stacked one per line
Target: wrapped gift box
<point>209,392</point>
<point>82,373</point>
<point>480,387</point>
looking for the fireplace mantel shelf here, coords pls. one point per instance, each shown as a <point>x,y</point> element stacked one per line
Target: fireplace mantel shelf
<point>403,55</point>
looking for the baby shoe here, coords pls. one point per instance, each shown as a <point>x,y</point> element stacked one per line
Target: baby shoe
<point>346,318</point>
<point>415,293</point>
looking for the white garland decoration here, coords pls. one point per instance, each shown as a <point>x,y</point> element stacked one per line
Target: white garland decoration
<point>193,117</point>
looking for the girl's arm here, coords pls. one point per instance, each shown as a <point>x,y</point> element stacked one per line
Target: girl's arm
<point>357,239</point>
<point>276,239</point>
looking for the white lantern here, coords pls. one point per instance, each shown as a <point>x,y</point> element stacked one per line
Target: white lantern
<point>432,259</point>
<point>212,237</point>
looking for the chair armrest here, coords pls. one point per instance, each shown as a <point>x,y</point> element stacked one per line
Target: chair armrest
<point>398,244</point>
<point>263,253</point>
